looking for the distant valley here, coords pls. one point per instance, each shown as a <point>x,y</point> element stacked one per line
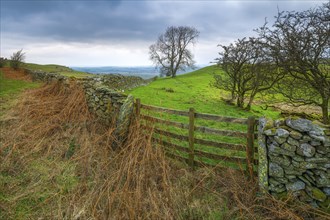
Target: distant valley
<point>142,71</point>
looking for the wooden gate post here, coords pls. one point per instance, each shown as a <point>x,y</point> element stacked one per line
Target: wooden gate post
<point>191,136</point>
<point>250,146</point>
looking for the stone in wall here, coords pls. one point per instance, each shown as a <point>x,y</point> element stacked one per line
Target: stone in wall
<point>298,160</point>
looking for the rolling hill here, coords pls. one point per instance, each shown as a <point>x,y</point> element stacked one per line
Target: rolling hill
<point>194,90</point>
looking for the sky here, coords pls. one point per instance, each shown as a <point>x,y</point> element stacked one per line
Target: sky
<point>119,32</point>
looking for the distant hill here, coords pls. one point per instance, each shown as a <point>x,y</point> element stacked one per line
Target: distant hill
<point>54,68</point>
<point>142,71</point>
<point>47,67</point>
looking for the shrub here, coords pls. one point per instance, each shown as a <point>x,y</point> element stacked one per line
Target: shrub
<point>16,59</point>
<point>2,62</point>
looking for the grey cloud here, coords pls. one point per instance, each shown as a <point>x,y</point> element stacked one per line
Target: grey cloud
<point>133,22</point>
<point>112,21</point>
<point>84,21</point>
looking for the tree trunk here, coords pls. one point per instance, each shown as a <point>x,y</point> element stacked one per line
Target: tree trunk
<point>233,96</point>
<point>240,101</point>
<point>325,111</point>
<point>248,107</point>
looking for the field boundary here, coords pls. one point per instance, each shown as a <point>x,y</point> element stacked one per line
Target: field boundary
<point>190,140</point>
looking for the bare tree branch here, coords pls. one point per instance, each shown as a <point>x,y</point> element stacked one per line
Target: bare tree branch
<point>249,69</point>
<point>17,58</point>
<point>300,44</point>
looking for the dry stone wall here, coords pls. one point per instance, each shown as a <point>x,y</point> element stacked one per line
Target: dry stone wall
<point>116,82</point>
<point>104,98</point>
<point>294,157</point>
<point>121,82</point>
<point>44,76</point>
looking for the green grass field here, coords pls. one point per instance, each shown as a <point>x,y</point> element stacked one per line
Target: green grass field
<point>194,90</point>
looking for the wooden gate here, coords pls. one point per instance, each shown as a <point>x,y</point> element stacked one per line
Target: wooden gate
<point>184,137</point>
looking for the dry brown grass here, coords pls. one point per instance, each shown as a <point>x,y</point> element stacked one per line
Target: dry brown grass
<point>19,74</point>
<point>57,163</point>
<point>50,142</point>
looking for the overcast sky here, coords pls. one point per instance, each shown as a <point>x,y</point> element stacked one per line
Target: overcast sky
<point>119,33</point>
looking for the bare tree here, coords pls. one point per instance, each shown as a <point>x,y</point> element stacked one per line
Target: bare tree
<point>17,58</point>
<point>170,53</point>
<point>232,59</point>
<point>249,70</point>
<point>300,43</point>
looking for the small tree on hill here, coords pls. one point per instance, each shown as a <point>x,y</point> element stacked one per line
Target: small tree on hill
<point>300,44</point>
<point>248,69</point>
<point>170,53</point>
<point>16,59</point>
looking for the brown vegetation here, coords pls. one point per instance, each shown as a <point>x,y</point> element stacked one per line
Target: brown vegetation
<point>19,74</point>
<point>57,163</point>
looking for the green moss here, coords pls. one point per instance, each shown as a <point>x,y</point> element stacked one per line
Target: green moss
<point>109,106</point>
<point>318,195</point>
<point>326,204</point>
<point>270,132</point>
<point>281,196</point>
<point>269,125</point>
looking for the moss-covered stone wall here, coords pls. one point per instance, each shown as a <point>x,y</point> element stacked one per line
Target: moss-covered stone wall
<point>104,97</point>
<point>44,76</point>
<point>103,101</point>
<point>295,158</point>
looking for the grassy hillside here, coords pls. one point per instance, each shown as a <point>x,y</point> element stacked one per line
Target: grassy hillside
<point>10,88</point>
<point>63,70</point>
<point>47,67</point>
<point>52,68</point>
<point>194,90</point>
